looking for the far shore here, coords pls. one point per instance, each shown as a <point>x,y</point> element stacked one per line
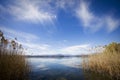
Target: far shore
<point>54,56</point>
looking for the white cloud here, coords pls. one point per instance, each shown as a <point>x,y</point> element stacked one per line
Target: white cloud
<point>84,14</point>
<point>29,41</point>
<point>10,33</point>
<point>76,49</point>
<point>32,45</point>
<point>45,11</point>
<point>64,4</point>
<point>112,24</point>
<point>36,11</point>
<point>36,46</point>
<point>92,22</point>
<point>82,49</point>
<point>36,49</point>
<point>32,10</point>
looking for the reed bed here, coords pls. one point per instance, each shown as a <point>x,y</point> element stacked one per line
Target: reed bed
<point>13,65</point>
<point>106,63</point>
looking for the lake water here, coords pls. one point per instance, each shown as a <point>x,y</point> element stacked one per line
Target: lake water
<point>56,68</point>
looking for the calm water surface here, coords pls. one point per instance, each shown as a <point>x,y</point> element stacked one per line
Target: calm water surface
<point>56,68</point>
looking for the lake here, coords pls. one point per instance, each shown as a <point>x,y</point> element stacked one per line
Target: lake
<point>67,68</point>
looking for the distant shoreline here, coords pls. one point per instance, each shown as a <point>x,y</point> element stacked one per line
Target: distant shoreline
<point>54,56</point>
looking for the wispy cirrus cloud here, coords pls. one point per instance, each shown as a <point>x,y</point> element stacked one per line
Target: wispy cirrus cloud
<point>76,49</point>
<point>11,33</point>
<point>81,49</point>
<point>65,4</point>
<point>46,11</point>
<point>29,41</point>
<point>31,10</point>
<point>112,23</point>
<point>37,48</point>
<point>36,11</point>
<point>93,22</point>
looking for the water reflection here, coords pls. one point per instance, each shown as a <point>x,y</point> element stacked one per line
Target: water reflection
<point>61,69</point>
<point>56,68</point>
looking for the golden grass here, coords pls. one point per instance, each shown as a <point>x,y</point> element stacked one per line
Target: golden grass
<point>106,63</point>
<point>12,66</point>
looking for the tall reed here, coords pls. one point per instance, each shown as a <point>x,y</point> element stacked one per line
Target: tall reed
<point>106,63</point>
<point>13,65</point>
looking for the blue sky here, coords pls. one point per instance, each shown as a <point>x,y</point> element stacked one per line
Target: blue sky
<point>61,26</point>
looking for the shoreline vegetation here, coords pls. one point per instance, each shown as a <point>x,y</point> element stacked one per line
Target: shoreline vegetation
<point>106,64</point>
<point>13,65</point>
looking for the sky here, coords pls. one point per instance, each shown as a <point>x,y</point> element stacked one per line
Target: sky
<point>69,27</point>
